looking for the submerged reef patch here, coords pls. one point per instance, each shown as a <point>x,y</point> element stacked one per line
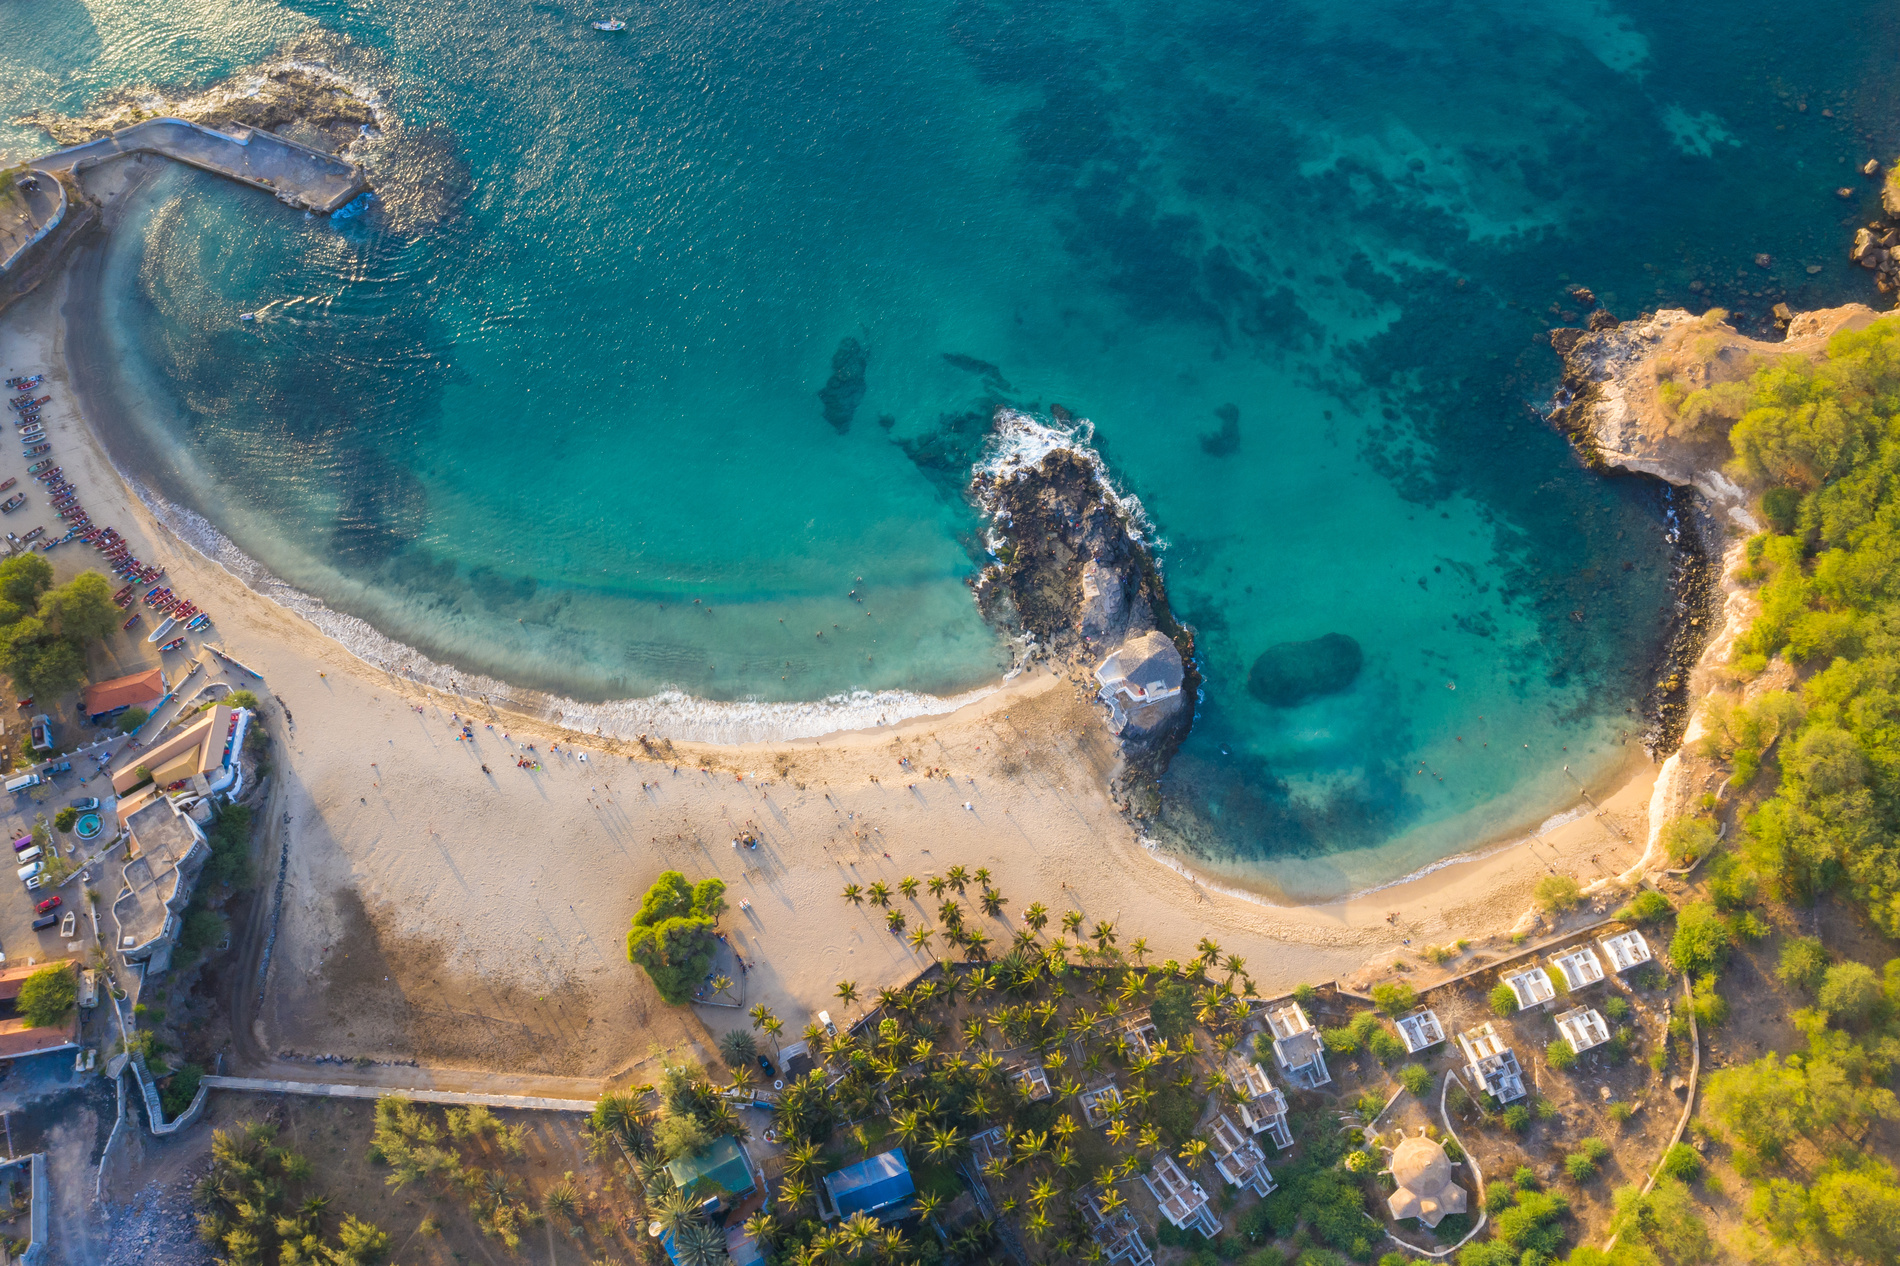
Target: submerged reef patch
<point>1290,673</point>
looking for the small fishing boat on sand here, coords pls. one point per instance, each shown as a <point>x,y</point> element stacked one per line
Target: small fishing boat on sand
<point>13,503</point>
<point>197,623</point>
<point>164,627</point>
<point>37,449</point>
<point>611,24</point>
<point>34,535</point>
<point>136,617</point>
<point>8,484</point>
<point>173,645</point>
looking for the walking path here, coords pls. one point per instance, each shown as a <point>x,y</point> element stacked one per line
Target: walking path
<point>299,175</point>
<point>332,1090</point>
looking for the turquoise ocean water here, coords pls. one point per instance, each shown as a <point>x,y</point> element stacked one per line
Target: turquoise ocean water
<point>1293,262</point>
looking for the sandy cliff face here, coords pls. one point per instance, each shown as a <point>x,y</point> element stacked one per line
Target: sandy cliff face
<point>1618,406</point>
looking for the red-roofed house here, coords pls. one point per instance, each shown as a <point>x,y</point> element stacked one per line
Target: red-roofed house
<point>140,690</point>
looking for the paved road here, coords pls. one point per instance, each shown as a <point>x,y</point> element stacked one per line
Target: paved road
<point>18,224</point>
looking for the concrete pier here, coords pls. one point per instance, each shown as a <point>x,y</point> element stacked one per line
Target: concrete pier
<point>296,174</point>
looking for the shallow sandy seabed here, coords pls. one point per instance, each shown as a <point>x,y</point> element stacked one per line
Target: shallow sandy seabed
<point>465,919</point>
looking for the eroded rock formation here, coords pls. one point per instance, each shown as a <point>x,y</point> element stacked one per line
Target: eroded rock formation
<point>1073,571</point>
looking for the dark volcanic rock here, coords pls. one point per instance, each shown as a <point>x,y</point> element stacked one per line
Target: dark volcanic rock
<point>845,388</point>
<point>1076,573</point>
<point>1290,673</point>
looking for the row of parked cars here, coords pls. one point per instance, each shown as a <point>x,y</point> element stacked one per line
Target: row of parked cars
<point>32,862</point>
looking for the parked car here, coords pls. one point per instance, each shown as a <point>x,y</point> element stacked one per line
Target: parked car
<point>64,767</point>
<point>51,903</point>
<point>22,844</point>
<point>766,1065</point>
<point>25,782</point>
<point>40,925</point>
<point>34,884</point>
<point>31,871</point>
<point>87,805</point>
<point>30,855</point>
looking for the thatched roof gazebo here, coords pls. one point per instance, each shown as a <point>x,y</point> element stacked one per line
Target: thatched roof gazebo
<point>1426,1190</point>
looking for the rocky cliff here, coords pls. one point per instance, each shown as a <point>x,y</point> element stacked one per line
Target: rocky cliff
<point>1074,573</point>
<point>1657,396</point>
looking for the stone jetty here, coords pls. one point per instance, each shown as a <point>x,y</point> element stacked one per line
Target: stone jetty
<point>295,174</point>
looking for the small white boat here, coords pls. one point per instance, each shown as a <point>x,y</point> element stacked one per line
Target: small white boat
<point>247,316</point>
<point>611,24</point>
<point>164,627</point>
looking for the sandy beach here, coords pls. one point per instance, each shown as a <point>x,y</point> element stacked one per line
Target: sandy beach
<point>446,905</point>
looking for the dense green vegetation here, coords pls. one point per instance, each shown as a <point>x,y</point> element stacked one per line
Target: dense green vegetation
<point>48,996</point>
<point>672,935</point>
<point>250,1210</point>
<point>45,628</point>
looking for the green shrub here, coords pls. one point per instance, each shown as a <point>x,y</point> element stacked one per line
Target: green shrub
<point>1849,992</point>
<point>1688,839</point>
<point>1561,1055</point>
<point>1646,906</point>
<point>1517,1118</point>
<point>1702,939</point>
<point>1804,961</point>
<point>1503,1001</point>
<point>1617,1008</point>
<point>132,718</point>
<point>64,819</point>
<point>1416,1079</point>
<point>1306,995</point>
<point>1711,1008</point>
<point>1682,1163</point>
<point>177,1093</point>
<point>240,699</point>
<point>48,996</point>
<point>1394,998</point>
<point>1619,1112</point>
<point>1558,893</point>
<point>1386,1045</point>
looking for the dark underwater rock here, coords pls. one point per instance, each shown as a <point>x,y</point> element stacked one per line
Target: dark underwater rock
<point>844,390</point>
<point>1226,441</point>
<point>1290,673</point>
<point>990,374</point>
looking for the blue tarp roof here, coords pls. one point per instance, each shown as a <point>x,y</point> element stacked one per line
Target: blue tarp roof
<point>871,1184</point>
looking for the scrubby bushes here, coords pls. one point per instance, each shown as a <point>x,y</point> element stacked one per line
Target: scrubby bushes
<point>1647,906</point>
<point>1558,893</point>
<point>48,996</point>
<point>1503,1000</point>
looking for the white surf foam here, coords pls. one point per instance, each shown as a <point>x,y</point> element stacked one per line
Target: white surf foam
<point>1018,444</point>
<point>670,714</point>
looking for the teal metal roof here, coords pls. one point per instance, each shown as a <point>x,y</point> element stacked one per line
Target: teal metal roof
<point>722,1165</point>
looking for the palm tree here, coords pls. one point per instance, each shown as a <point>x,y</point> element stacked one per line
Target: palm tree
<point>847,992</point>
<point>894,920</point>
<point>1037,1225</point>
<point>1111,1200</point>
<point>1139,948</point>
<point>675,1212</point>
<point>928,1206</point>
<point>760,1227</point>
<point>920,939</point>
<point>800,1159</point>
<point>794,1192</point>
<point>1193,1150</point>
<point>957,877</point>
<point>854,894</point>
<point>1036,916</point>
<point>879,893</point>
<point>759,1013</point>
<point>1103,934</point>
<point>773,1027</point>
<point>1149,1138</point>
<point>1117,1131</point>
<point>936,884</point>
<point>1042,1192</point>
<point>721,984</point>
<point>1071,920</point>
<point>950,914</point>
<point>908,885</point>
<point>993,901</point>
<point>945,1143</point>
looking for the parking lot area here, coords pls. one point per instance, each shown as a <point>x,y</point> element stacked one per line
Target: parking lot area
<point>96,860</point>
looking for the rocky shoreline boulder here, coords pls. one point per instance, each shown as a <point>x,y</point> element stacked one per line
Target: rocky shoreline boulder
<point>1073,573</point>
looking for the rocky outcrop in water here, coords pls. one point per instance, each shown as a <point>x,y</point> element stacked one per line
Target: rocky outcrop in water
<point>844,390</point>
<point>1073,571</point>
<point>1291,673</point>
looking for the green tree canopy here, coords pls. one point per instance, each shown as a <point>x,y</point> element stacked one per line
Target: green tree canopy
<point>672,935</point>
<point>44,629</point>
<point>48,996</point>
